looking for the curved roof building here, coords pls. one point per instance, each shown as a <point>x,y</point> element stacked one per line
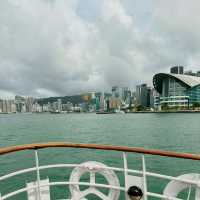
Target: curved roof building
<point>177,89</point>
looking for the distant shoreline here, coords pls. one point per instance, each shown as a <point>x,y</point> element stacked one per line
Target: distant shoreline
<point>105,113</point>
<point>177,111</point>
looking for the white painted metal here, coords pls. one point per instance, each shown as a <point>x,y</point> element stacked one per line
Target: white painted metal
<point>112,168</point>
<point>131,180</point>
<point>144,178</point>
<point>38,176</point>
<point>125,173</point>
<point>197,194</point>
<point>159,196</point>
<point>132,177</point>
<point>180,179</point>
<point>63,183</point>
<point>173,188</point>
<point>17,173</point>
<point>33,192</point>
<point>93,167</point>
<point>189,192</point>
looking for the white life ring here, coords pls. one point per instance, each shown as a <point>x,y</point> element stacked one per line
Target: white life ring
<point>174,187</point>
<point>93,167</point>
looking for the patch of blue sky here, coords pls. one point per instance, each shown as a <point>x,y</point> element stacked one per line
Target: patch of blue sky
<point>141,11</point>
<point>89,9</point>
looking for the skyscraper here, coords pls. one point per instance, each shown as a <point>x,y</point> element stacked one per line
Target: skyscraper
<point>115,91</point>
<point>177,70</point>
<point>142,95</point>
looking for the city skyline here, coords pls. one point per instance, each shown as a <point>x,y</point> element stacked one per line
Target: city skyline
<point>70,47</point>
<point>173,69</point>
<point>178,89</point>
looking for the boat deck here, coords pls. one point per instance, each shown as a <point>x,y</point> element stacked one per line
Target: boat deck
<point>113,188</point>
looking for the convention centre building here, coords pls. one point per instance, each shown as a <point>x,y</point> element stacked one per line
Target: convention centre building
<point>178,89</point>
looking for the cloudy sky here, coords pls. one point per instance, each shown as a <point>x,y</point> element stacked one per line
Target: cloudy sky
<point>65,47</point>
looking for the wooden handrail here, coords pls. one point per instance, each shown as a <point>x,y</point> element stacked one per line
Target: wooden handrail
<point>140,150</point>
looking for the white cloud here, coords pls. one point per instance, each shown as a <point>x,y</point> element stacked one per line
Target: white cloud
<point>48,47</point>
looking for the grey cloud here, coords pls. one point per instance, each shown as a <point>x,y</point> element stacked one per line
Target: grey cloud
<point>49,48</point>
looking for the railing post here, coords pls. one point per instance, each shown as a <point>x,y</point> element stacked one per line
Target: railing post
<point>189,192</point>
<point>144,177</point>
<point>197,193</point>
<point>125,172</point>
<point>38,175</point>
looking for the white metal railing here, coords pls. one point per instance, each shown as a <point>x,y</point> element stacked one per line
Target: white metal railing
<point>142,175</point>
<point>125,170</point>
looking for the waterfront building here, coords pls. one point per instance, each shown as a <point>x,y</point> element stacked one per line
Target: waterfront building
<point>84,106</point>
<point>29,104</point>
<point>20,104</point>
<point>97,103</point>
<point>148,97</point>
<point>115,103</point>
<point>102,102</point>
<point>37,108</point>
<point>7,106</point>
<point>45,108</point>
<point>177,70</point>
<point>4,106</point>
<point>59,105</point>
<point>177,90</point>
<point>54,107</point>
<point>142,95</point>
<point>1,106</point>
<point>120,92</point>
<point>67,107</point>
<point>198,73</point>
<point>13,106</point>
<point>154,99</point>
<point>124,95</point>
<point>77,108</point>
<point>91,108</point>
<point>190,73</point>
<point>115,91</point>
<point>87,97</point>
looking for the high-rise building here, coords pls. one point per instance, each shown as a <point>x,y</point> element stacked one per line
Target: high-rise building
<point>125,94</point>
<point>115,91</point>
<point>1,106</point>
<point>7,106</point>
<point>29,104</point>
<point>102,102</point>
<point>177,70</point>
<point>59,105</point>
<point>148,97</point>
<point>36,107</point>
<point>13,106</point>
<point>45,108</point>
<point>114,103</point>
<point>4,106</point>
<point>20,104</point>
<point>142,95</point>
<point>97,103</point>
<point>154,99</point>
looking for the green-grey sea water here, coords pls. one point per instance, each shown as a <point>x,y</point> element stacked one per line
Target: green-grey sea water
<point>173,132</point>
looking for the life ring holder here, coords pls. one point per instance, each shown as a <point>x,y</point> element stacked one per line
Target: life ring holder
<point>174,187</point>
<point>93,167</point>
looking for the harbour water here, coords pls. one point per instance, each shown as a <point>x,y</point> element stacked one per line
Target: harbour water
<point>173,132</point>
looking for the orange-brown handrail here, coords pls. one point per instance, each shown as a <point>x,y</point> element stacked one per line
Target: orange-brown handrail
<point>7,150</point>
